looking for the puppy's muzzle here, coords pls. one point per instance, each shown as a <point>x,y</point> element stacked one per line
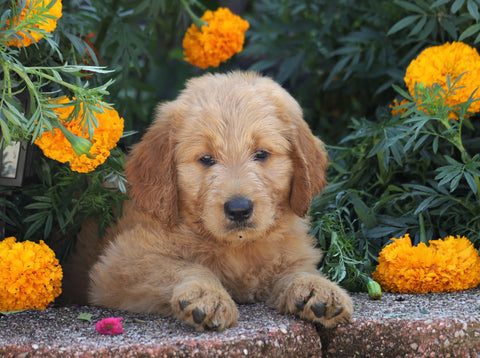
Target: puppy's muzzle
<point>238,209</point>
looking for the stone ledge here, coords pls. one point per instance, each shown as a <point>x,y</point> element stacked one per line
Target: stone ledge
<point>409,325</point>
<point>56,332</point>
<point>398,325</point>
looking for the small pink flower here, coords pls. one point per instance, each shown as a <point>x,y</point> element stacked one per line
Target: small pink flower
<point>109,325</point>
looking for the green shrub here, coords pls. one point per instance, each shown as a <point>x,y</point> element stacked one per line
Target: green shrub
<point>139,46</point>
<point>341,58</point>
<point>417,173</point>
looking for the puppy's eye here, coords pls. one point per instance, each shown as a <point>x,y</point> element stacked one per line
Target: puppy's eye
<point>207,160</point>
<point>260,155</point>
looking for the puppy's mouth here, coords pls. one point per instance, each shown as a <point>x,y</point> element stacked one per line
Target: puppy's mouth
<point>240,226</point>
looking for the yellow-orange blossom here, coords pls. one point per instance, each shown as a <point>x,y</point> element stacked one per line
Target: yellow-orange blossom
<point>446,265</point>
<point>30,275</point>
<point>105,137</point>
<point>452,59</point>
<point>48,23</point>
<point>216,42</point>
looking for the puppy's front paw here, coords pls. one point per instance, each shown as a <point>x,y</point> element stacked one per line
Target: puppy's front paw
<point>204,308</point>
<point>317,299</point>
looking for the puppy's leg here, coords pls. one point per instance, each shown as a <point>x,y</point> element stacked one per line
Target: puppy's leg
<point>138,273</point>
<point>312,297</point>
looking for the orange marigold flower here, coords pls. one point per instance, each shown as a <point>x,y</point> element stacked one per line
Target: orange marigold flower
<point>105,137</point>
<point>450,264</point>
<point>50,11</point>
<point>452,59</point>
<point>30,275</point>
<point>394,106</point>
<point>216,42</point>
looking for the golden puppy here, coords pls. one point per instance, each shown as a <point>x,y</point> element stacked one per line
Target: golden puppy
<point>220,188</point>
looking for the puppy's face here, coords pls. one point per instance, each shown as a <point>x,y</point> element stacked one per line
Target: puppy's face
<point>234,169</point>
<point>231,157</point>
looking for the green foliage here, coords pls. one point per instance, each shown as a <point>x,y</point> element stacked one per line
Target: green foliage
<point>62,202</point>
<point>141,41</point>
<point>31,80</point>
<point>395,175</point>
<point>335,230</point>
<point>124,53</point>
<point>341,58</point>
<point>55,66</point>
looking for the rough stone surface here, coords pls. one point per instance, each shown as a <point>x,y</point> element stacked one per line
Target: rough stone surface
<point>397,325</point>
<point>57,332</point>
<point>409,325</point>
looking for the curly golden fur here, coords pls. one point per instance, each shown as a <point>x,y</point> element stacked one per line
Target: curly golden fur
<point>220,187</point>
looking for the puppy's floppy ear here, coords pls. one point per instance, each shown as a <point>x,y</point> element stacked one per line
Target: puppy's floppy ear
<point>310,161</point>
<point>308,153</point>
<point>151,170</point>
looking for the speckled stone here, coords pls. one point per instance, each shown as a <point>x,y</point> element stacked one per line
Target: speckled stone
<point>397,325</point>
<point>409,325</point>
<point>57,332</point>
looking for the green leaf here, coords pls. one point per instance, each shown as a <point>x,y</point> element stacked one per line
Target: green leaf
<point>34,227</point>
<point>85,317</point>
<point>456,6</point>
<point>472,8</point>
<point>449,26</point>
<point>263,65</point>
<point>37,216</point>
<point>471,30</point>
<point>402,24</point>
<point>419,26</point>
<point>428,29</point>
<point>39,206</point>
<point>435,145</point>
<point>471,182</point>
<point>48,226</point>
<point>336,69</point>
<point>439,3</point>
<point>363,211</point>
<point>6,313</point>
<point>410,7</point>
<point>288,67</point>
<point>424,205</point>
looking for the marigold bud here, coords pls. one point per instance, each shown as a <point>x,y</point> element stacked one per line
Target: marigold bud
<point>374,290</point>
<point>80,145</point>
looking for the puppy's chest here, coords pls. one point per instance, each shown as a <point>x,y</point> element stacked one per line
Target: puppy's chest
<point>247,276</point>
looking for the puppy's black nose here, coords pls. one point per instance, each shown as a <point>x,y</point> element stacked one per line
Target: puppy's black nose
<point>238,209</point>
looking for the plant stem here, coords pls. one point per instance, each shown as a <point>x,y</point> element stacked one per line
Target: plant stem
<point>195,19</point>
<point>51,78</point>
<point>6,80</point>
<point>423,234</point>
<point>458,143</point>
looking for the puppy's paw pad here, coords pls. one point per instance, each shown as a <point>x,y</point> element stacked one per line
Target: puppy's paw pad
<point>198,315</point>
<point>319,309</point>
<point>206,310</point>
